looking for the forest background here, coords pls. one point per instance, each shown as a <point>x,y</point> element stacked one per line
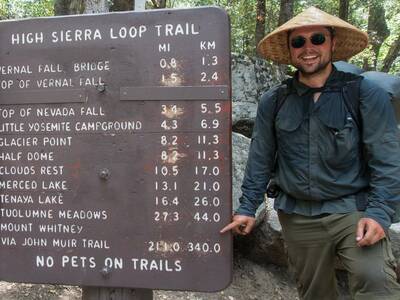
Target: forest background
<point>252,19</point>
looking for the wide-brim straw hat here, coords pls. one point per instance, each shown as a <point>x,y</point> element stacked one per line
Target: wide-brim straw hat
<point>349,39</point>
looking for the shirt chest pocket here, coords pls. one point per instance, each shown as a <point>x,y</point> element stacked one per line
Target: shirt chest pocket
<point>290,133</point>
<point>339,142</point>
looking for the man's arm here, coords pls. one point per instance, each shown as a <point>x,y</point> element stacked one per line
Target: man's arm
<point>259,166</point>
<point>382,149</point>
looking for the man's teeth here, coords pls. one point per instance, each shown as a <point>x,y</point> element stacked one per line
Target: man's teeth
<point>309,57</point>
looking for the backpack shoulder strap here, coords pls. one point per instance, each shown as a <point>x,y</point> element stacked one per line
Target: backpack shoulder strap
<point>281,95</point>
<point>351,96</point>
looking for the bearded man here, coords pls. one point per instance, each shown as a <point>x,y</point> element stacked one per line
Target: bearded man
<point>336,164</point>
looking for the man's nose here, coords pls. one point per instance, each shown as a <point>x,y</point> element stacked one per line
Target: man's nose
<point>308,44</point>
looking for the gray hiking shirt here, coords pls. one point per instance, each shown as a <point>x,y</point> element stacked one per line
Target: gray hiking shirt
<point>325,164</point>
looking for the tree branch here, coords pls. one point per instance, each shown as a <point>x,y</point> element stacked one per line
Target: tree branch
<point>154,3</point>
<point>392,54</point>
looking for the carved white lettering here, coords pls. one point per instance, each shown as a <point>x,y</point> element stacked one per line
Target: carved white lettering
<point>18,142</point>
<point>51,170</point>
<point>95,244</point>
<point>16,199</point>
<point>17,170</point>
<point>92,111</point>
<point>55,185</point>
<point>17,70</point>
<point>177,29</point>
<point>55,112</point>
<point>103,65</point>
<point>125,32</point>
<point>160,265</point>
<point>51,199</point>
<point>64,243</point>
<point>27,38</point>
<point>10,156</point>
<point>60,228</point>
<point>16,227</point>
<point>83,214</point>
<point>77,35</point>
<point>78,261</point>
<point>8,241</point>
<point>50,68</point>
<point>34,242</point>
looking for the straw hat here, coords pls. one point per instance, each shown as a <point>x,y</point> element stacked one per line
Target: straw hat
<point>349,39</point>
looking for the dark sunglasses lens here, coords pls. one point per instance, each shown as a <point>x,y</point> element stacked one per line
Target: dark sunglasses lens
<point>298,42</point>
<point>318,39</point>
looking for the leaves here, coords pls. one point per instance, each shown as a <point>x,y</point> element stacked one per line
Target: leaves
<point>381,17</point>
<point>17,9</point>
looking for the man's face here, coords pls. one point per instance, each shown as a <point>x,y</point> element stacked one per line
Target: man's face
<point>316,52</point>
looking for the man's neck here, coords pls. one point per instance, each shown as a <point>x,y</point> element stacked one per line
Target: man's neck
<point>316,80</point>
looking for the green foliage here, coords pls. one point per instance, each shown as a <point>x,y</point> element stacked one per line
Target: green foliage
<point>331,7</point>
<point>243,13</point>
<point>4,9</point>
<point>16,9</point>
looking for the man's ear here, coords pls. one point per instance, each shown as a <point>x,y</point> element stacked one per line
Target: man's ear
<point>333,44</point>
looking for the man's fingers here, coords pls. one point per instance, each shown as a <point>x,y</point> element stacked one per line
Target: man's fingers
<point>240,225</point>
<point>372,232</point>
<point>360,230</point>
<point>230,226</point>
<point>237,227</point>
<point>239,230</point>
<point>245,229</point>
<point>368,238</point>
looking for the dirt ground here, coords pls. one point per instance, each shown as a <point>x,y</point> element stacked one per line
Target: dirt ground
<point>250,282</point>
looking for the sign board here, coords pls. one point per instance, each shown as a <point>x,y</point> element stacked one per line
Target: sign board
<point>115,150</point>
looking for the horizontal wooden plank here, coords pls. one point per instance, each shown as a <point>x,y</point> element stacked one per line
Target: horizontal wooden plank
<point>56,96</point>
<point>218,92</point>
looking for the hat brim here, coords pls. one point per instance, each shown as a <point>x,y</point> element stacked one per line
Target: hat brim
<point>349,39</point>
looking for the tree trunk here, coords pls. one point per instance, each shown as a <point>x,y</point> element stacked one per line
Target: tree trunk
<point>392,54</point>
<point>95,6</point>
<point>71,7</point>
<point>61,7</point>
<point>286,11</point>
<point>68,7</point>
<point>344,10</point>
<point>366,66</point>
<point>122,5</point>
<point>99,293</point>
<point>159,3</point>
<point>285,14</point>
<point>378,30</point>
<point>260,21</point>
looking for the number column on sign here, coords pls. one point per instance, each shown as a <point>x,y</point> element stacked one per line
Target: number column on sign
<point>170,75</point>
<point>207,184</point>
<point>167,170</point>
<point>209,63</point>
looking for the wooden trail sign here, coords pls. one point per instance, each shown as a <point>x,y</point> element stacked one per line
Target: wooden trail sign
<point>115,150</point>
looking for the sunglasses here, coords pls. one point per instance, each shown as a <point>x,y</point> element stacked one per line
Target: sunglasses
<point>299,41</point>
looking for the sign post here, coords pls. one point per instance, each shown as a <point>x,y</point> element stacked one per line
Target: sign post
<point>96,293</point>
<point>140,5</point>
<point>115,151</point>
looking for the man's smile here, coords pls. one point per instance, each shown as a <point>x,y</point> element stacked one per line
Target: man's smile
<point>309,58</point>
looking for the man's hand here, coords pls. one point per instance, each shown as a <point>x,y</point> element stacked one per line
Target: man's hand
<point>369,232</point>
<point>240,225</point>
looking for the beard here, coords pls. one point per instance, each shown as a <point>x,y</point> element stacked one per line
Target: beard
<point>318,69</point>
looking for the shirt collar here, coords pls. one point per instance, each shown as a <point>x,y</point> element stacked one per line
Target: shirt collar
<point>301,89</point>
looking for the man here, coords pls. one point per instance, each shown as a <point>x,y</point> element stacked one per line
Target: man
<point>339,184</point>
